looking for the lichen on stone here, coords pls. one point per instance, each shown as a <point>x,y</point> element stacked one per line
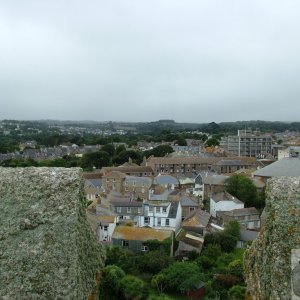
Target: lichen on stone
<point>47,249</point>
<point>267,263</point>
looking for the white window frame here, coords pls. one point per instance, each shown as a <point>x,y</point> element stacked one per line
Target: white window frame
<point>144,248</point>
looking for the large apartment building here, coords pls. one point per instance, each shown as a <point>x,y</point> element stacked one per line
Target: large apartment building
<point>248,143</point>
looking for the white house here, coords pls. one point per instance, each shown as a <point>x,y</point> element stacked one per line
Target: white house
<point>103,223</point>
<point>223,201</point>
<point>163,215</point>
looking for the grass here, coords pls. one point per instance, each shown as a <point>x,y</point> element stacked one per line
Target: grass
<point>238,254</point>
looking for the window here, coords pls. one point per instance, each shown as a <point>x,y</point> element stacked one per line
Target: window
<point>134,183</point>
<point>129,209</point>
<point>157,209</point>
<point>144,247</point>
<point>146,220</point>
<point>164,210</point>
<point>126,189</point>
<point>118,209</point>
<point>143,190</point>
<point>192,209</point>
<point>125,243</point>
<point>151,208</point>
<point>158,221</point>
<point>139,210</point>
<point>105,228</point>
<point>167,222</point>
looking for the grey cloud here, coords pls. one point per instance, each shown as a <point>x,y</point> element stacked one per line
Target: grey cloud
<point>197,61</point>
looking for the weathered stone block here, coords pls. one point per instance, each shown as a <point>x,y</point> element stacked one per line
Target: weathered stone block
<point>47,249</point>
<point>267,262</point>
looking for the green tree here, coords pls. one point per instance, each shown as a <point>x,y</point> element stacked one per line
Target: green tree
<point>226,241</point>
<point>123,258</point>
<point>205,262</point>
<point>237,292</point>
<point>154,261</point>
<point>159,297</point>
<point>109,148</point>
<point>97,159</point>
<point>243,188</point>
<point>133,288</point>
<point>119,149</point>
<point>236,267</point>
<point>124,156</point>
<point>182,276</point>
<point>110,288</point>
<point>181,141</point>
<point>233,228</point>
<point>159,151</point>
<point>159,281</point>
<point>212,142</point>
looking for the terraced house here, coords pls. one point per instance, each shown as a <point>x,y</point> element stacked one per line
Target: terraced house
<point>191,165</point>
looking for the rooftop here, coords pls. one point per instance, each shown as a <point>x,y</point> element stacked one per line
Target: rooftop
<point>140,233</point>
<point>215,179</point>
<point>284,167</point>
<point>185,201</point>
<point>165,179</point>
<point>198,218</point>
<point>224,196</point>
<point>242,212</point>
<point>199,160</point>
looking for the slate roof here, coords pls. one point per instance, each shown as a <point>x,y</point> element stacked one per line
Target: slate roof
<point>140,233</point>
<point>128,169</point>
<point>115,174</point>
<point>140,180</point>
<point>224,196</point>
<point>93,183</point>
<point>165,179</point>
<point>283,167</point>
<point>173,209</point>
<point>126,203</point>
<point>185,201</point>
<point>199,160</point>
<point>197,218</point>
<point>215,179</point>
<point>240,212</point>
<point>230,162</point>
<point>160,197</point>
<point>175,192</point>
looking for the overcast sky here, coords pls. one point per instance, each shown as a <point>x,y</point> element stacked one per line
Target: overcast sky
<point>136,60</point>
